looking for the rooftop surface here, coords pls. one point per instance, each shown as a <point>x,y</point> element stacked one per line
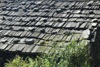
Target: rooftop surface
<point>33,26</point>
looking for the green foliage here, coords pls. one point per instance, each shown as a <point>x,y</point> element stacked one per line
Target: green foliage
<point>73,55</point>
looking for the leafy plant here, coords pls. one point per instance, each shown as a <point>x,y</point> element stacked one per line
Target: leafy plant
<point>73,55</point>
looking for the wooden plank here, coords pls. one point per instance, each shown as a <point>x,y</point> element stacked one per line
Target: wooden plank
<point>39,49</point>
<point>50,44</point>
<point>61,31</point>
<point>55,30</point>
<point>47,49</point>
<point>72,19</point>
<point>28,34</point>
<point>61,24</point>
<point>39,23</point>
<point>3,46</point>
<point>11,33</point>
<point>55,24</point>
<point>58,37</point>
<point>14,47</point>
<point>69,38</point>
<point>75,37</point>
<point>8,47</point>
<point>18,33</point>
<point>10,40</point>
<point>3,40</point>
<point>64,38</point>
<point>21,47</point>
<point>78,24</point>
<point>36,41</point>
<point>41,35</point>
<point>83,25</point>
<point>42,42</point>
<point>73,25</point>
<point>7,32</point>
<point>35,34</point>
<point>68,25</point>
<point>62,15</point>
<point>25,48</point>
<point>47,29</point>
<point>23,33</point>
<point>47,36</point>
<point>52,37</point>
<point>50,24</point>
<point>85,34</point>
<point>30,48</point>
<point>50,30</point>
<point>31,23</point>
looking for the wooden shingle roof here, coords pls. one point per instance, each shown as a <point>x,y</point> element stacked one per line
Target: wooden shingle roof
<point>33,26</point>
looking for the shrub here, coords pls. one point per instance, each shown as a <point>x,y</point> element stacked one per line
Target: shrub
<point>73,55</point>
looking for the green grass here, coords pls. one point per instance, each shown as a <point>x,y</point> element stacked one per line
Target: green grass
<point>73,55</point>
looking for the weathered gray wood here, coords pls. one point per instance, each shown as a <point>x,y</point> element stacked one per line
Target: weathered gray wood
<point>61,31</point>
<point>78,24</point>
<point>21,47</point>
<point>10,40</point>
<point>47,21</point>
<point>41,35</point>
<point>52,37</point>
<point>35,34</point>
<point>7,32</point>
<point>75,37</point>
<point>55,31</point>
<point>64,38</point>
<point>23,34</point>
<point>3,46</point>
<point>39,23</point>
<point>73,25</point>
<point>49,24</point>
<point>85,34</point>
<point>83,25</point>
<point>58,37</point>
<point>30,48</point>
<point>60,24</point>
<point>18,33</point>
<point>47,49</point>
<point>29,35</point>
<point>62,15</point>
<point>55,24</point>
<point>39,49</point>
<point>4,40</point>
<point>8,47</point>
<point>69,38</point>
<point>47,36</point>
<point>68,25</point>
<point>25,48</point>
<point>14,47</point>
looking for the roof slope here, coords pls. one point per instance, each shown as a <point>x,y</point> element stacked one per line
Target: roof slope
<point>32,26</point>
